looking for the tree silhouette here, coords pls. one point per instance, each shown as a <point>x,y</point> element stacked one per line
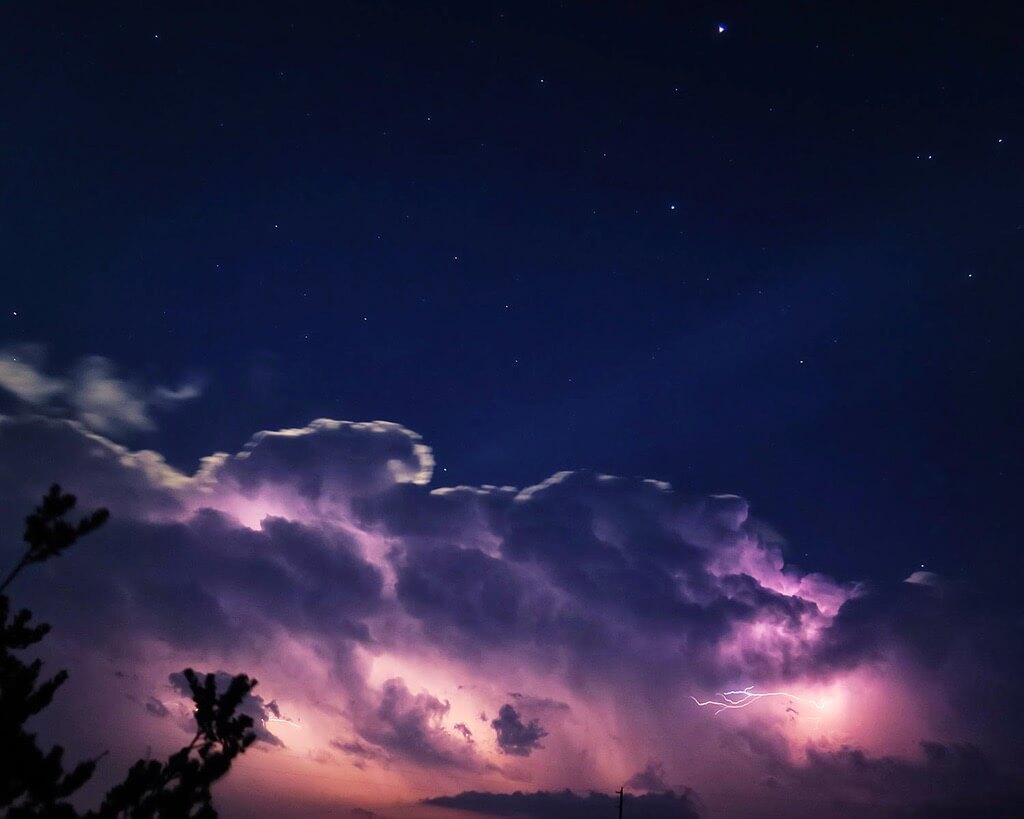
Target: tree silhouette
<point>33,783</point>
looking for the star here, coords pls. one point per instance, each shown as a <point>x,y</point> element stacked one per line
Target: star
<point>721,28</point>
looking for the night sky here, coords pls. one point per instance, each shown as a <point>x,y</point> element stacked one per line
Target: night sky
<point>768,251</point>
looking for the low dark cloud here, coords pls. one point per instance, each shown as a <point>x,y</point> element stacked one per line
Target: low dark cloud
<point>360,753</point>
<point>651,778</point>
<point>952,774</point>
<point>944,779</point>
<point>515,737</point>
<point>538,703</point>
<point>1002,806</point>
<point>569,805</point>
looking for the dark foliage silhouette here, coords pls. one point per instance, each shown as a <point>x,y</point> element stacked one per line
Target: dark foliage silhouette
<point>33,782</point>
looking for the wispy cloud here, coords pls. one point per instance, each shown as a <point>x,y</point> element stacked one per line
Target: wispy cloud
<point>92,392</point>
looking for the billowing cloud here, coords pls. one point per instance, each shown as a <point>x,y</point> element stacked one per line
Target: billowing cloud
<point>360,457</point>
<point>383,616</point>
<point>411,726</point>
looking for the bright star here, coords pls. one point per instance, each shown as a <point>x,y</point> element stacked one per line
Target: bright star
<point>721,29</point>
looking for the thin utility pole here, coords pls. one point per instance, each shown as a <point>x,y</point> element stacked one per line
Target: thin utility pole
<point>620,802</point>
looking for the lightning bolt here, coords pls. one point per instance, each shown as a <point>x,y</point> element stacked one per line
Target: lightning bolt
<point>278,719</point>
<point>732,700</point>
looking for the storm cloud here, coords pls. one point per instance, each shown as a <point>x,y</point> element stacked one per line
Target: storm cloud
<point>386,615</point>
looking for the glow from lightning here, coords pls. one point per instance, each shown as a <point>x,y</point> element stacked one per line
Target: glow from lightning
<point>732,700</point>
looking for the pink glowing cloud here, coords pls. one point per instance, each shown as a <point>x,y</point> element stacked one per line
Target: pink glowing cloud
<point>565,628</point>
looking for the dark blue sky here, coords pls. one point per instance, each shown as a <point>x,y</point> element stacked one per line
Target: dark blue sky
<point>781,261</point>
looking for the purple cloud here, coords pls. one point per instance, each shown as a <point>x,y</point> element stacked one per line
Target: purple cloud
<point>388,615</point>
